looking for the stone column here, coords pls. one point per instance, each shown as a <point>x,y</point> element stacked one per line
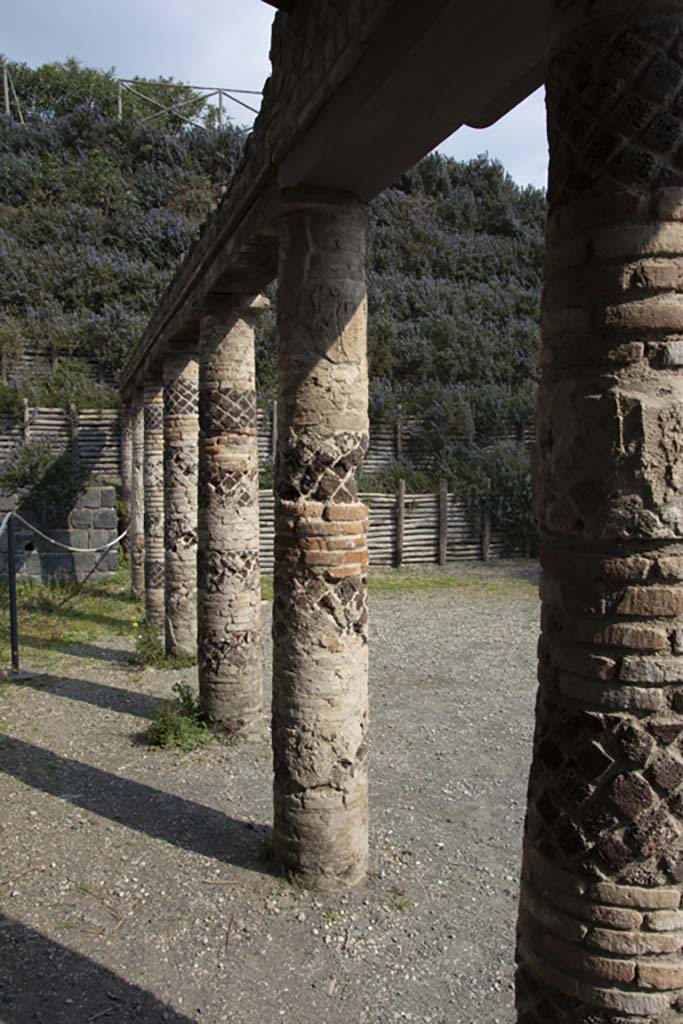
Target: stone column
<point>229,598</point>
<point>601,929</point>
<point>137,500</point>
<point>181,427</point>
<point>320,653</point>
<point>154,504</point>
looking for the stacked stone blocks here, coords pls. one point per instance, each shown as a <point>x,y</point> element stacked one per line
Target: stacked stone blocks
<point>92,523</point>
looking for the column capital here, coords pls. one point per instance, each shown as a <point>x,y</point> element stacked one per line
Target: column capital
<point>293,200</point>
<point>217,305</point>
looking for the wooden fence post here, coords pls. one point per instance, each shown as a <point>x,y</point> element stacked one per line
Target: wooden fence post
<point>400,523</point>
<point>486,536</point>
<point>26,420</point>
<point>398,438</point>
<point>73,421</point>
<point>443,521</point>
<point>273,431</point>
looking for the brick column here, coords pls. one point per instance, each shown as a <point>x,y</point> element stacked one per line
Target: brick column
<point>229,597</point>
<point>320,653</point>
<point>137,500</point>
<point>154,504</point>
<point>601,930</point>
<point>126,457</point>
<point>180,502</point>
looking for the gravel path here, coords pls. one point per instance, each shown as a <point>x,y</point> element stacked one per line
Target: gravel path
<point>133,883</point>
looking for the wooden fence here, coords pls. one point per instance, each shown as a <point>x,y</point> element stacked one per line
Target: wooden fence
<point>408,529</point>
<point>95,435</point>
<point>31,362</point>
<point>389,442</point>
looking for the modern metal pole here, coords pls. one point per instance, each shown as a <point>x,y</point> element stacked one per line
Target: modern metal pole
<point>12,572</point>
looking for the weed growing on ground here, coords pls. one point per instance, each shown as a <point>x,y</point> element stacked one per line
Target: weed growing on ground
<point>150,653</point>
<point>266,848</point>
<point>331,916</point>
<point>179,724</point>
<point>398,901</point>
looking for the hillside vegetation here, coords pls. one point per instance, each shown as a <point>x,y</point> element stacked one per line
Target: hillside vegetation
<point>95,214</point>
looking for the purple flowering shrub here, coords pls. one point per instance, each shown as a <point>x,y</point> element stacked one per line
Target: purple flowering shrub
<point>95,213</point>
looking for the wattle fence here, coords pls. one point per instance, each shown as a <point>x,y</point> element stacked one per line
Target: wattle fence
<point>405,529</point>
<point>408,529</point>
<point>94,433</point>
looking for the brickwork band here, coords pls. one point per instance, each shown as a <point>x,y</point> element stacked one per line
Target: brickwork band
<point>154,505</point>
<point>181,426</point>
<point>137,500</point>
<point>601,925</point>
<point>320,649</point>
<point>229,598</point>
<point>126,465</point>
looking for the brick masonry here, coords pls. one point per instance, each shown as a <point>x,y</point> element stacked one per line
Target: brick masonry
<point>137,499</point>
<point>181,425</point>
<point>153,477</point>
<point>601,927</point>
<point>320,641</point>
<point>229,597</point>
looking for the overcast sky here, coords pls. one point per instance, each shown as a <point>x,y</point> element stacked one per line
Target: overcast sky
<point>218,43</point>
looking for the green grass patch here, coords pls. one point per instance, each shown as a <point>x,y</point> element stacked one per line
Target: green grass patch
<point>150,652</point>
<point>55,618</point>
<point>179,724</point>
<point>396,581</point>
<point>415,580</point>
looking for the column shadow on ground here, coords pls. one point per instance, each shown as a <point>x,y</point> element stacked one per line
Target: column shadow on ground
<point>43,982</point>
<point>76,649</point>
<point>110,698</point>
<point>182,823</point>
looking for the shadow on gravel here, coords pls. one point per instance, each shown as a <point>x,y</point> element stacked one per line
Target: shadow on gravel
<point>42,982</point>
<point>77,649</point>
<point>111,698</point>
<point>182,823</point>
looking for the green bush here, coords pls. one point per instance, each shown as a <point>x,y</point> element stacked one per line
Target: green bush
<point>179,725</point>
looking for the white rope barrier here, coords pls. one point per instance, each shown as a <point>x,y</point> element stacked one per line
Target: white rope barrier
<point>5,523</point>
<point>57,543</point>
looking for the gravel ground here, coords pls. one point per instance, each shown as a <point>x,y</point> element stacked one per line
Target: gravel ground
<point>134,886</point>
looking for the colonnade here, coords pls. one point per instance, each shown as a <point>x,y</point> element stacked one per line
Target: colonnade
<point>601,924</point>
<point>193,484</point>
